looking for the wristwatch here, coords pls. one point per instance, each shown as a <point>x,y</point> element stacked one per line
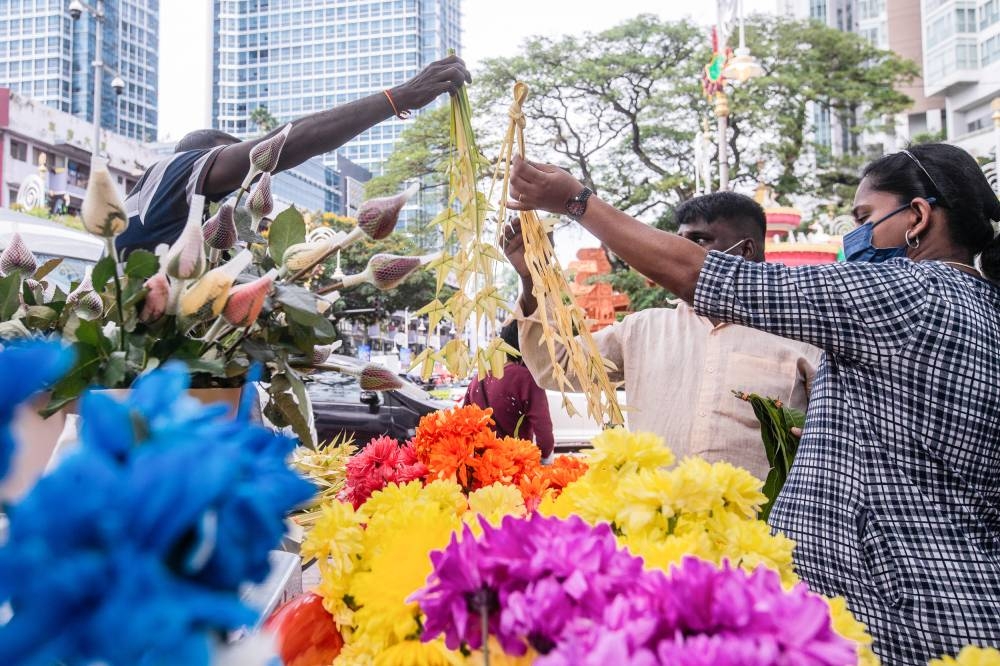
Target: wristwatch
<point>577,206</point>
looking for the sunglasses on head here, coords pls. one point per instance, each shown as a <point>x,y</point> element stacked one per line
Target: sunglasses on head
<point>937,188</point>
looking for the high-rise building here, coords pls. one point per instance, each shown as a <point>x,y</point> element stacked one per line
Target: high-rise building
<point>961,59</point>
<point>47,56</point>
<point>296,57</point>
<point>888,24</point>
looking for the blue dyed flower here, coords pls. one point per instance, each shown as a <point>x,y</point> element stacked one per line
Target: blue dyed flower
<point>26,368</point>
<point>132,551</point>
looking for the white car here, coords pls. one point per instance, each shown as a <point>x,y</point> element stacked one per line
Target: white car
<point>48,240</point>
<point>574,432</point>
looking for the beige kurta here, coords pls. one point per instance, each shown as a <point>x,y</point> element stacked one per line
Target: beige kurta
<point>680,371</point>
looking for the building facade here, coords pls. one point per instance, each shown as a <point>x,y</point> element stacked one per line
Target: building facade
<point>47,56</point>
<point>296,57</point>
<point>962,64</point>
<point>45,155</point>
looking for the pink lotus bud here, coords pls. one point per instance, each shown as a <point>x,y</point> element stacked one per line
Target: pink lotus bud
<point>103,212</point>
<point>89,306</point>
<point>387,271</point>
<point>17,257</point>
<point>321,353</point>
<point>378,217</point>
<point>220,230</point>
<point>264,156</point>
<point>261,202</point>
<point>84,300</point>
<point>378,378</point>
<point>185,259</point>
<point>246,300</point>
<point>157,298</point>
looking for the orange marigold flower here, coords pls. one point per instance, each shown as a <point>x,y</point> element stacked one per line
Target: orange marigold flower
<point>564,470</point>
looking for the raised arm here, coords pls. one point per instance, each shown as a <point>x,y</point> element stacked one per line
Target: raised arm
<point>325,131</point>
<point>665,258</point>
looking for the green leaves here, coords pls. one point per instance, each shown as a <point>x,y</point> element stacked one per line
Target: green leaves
<point>287,229</point>
<point>780,445</point>
<point>103,271</point>
<point>10,290</point>
<point>141,264</point>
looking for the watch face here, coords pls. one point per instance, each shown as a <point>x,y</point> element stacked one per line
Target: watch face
<point>576,208</point>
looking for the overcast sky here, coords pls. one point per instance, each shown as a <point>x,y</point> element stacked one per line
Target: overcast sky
<point>491,28</point>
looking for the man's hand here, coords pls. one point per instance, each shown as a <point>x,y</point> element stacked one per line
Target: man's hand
<point>512,242</point>
<point>541,187</point>
<point>443,76</point>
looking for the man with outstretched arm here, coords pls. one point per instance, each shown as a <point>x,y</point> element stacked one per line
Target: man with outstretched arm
<point>213,163</point>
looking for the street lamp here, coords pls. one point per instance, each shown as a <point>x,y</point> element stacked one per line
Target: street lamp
<point>740,67</point>
<point>76,10</point>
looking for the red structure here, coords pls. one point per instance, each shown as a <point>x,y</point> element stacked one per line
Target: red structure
<point>782,221</point>
<point>599,300</point>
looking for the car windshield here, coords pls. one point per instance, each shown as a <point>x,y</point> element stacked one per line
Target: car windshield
<point>70,270</point>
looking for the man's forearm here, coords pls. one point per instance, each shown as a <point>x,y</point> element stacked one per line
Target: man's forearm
<point>311,135</point>
<point>669,260</point>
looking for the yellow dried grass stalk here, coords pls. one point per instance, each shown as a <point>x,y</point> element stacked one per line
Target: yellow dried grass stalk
<point>563,320</point>
<point>470,258</point>
<point>326,467</point>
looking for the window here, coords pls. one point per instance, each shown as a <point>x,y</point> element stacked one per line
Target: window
<point>991,50</point>
<point>18,151</point>
<point>989,14</point>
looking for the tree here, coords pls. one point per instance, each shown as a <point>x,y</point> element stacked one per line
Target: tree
<point>621,108</point>
<point>263,119</point>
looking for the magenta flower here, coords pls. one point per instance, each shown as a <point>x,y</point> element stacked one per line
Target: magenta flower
<point>535,576</point>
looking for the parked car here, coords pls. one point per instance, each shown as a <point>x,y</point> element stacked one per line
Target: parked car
<point>51,240</point>
<point>341,408</point>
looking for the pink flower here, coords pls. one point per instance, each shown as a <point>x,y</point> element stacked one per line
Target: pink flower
<point>220,230</point>
<point>381,462</point>
<point>17,257</point>
<point>375,377</point>
<point>264,156</point>
<point>246,300</point>
<point>378,217</point>
<point>157,298</point>
<point>185,259</point>
<point>261,202</point>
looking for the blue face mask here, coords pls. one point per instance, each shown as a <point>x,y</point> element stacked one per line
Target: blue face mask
<point>858,243</point>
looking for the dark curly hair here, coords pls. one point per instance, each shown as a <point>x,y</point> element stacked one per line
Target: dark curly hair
<point>955,179</point>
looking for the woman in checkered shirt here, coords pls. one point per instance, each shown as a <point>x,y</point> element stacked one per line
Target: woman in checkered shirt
<point>894,498</point>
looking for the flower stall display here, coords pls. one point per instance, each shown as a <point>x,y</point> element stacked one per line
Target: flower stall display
<point>434,543</point>
<point>122,555</point>
<point>220,298</point>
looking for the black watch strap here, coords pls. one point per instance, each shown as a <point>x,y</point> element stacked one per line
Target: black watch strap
<point>577,206</point>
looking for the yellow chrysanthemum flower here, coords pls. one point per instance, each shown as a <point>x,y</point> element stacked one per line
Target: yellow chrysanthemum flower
<point>448,496</point>
<point>335,538</point>
<point>850,628</point>
<point>970,656</point>
<point>741,490</point>
<point>619,449</point>
<point>494,502</point>
<point>415,653</point>
<point>750,544</point>
<point>659,552</point>
<point>696,488</point>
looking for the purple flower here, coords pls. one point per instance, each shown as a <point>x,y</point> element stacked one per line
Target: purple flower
<point>543,573</point>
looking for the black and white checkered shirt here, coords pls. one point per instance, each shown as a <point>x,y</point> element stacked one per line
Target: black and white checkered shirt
<point>894,498</point>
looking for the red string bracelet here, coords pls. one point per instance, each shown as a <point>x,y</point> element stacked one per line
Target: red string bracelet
<point>402,115</point>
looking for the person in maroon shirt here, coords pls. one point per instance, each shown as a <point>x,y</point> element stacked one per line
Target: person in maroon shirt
<point>520,407</point>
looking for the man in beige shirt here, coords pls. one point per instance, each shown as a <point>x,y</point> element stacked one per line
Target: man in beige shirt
<point>679,368</point>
